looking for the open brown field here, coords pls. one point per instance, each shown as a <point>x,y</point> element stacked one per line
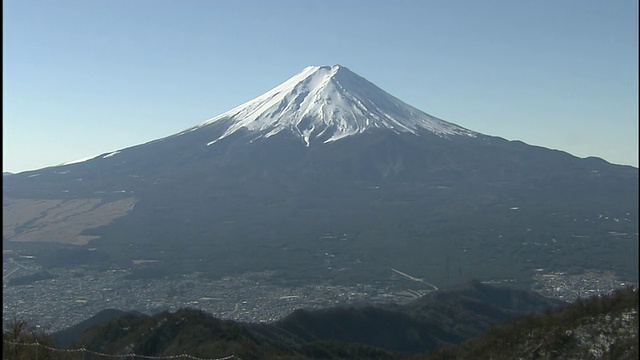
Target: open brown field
<point>60,221</point>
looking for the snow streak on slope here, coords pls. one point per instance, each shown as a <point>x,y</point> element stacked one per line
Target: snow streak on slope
<point>324,103</point>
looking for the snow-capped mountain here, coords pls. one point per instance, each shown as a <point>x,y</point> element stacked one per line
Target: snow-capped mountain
<point>328,176</point>
<point>328,103</point>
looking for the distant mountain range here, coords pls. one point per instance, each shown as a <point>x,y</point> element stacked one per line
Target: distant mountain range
<point>329,178</point>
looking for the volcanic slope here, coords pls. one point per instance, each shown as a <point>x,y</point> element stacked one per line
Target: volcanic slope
<point>328,177</point>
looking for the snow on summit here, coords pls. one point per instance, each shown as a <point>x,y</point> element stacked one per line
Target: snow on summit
<point>327,103</point>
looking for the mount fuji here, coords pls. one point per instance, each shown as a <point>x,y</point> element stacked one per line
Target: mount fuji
<point>326,177</point>
<point>324,103</point>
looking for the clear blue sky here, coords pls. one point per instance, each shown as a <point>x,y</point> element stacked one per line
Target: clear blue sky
<point>82,78</point>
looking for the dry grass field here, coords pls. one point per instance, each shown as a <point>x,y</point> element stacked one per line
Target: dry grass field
<point>60,221</point>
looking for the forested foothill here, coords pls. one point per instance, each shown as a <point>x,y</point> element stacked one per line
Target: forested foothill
<point>473,320</point>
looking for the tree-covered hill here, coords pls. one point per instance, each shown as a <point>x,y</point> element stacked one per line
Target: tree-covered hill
<point>602,327</point>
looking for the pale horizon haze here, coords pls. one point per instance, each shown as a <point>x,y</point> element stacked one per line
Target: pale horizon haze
<point>83,78</point>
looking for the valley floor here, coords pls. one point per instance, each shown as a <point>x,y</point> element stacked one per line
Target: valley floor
<point>71,296</point>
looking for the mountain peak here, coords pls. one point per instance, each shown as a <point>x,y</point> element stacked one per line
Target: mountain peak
<point>328,103</point>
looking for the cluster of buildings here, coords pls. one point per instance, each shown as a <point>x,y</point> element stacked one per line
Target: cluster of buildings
<point>569,287</point>
<point>70,296</point>
<point>75,295</point>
